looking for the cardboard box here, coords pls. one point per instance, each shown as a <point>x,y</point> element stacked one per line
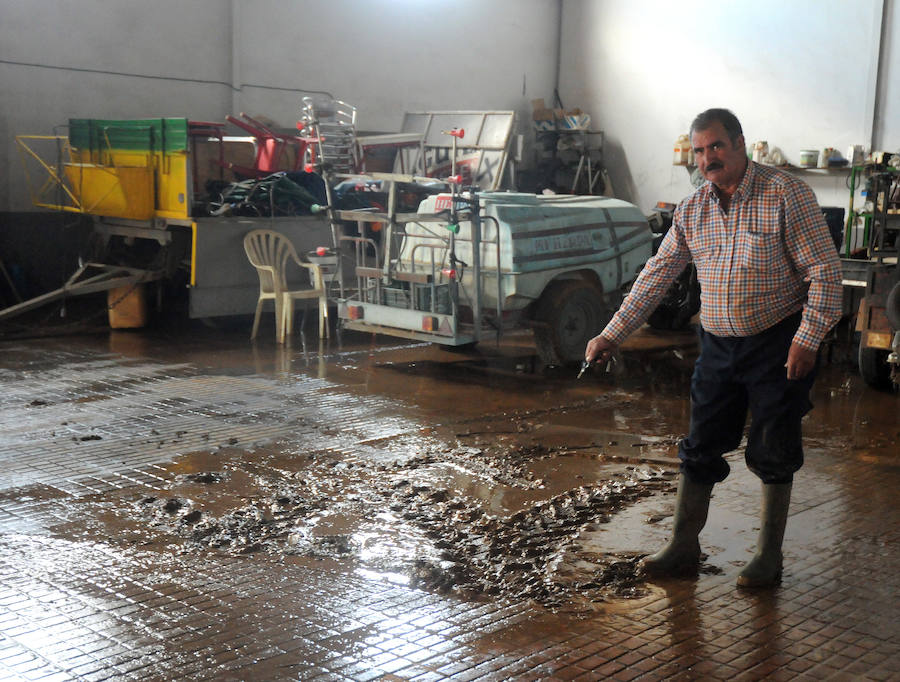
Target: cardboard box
<point>540,112</point>
<point>127,307</point>
<point>545,119</point>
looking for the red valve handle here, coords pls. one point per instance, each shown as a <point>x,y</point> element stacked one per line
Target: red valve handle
<point>455,179</point>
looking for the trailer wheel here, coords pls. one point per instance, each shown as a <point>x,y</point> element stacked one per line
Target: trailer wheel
<point>874,368</point>
<point>568,315</point>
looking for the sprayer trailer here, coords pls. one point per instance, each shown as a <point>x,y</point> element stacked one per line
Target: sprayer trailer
<point>467,266</point>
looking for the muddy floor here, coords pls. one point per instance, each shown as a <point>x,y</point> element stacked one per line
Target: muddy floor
<point>482,506</point>
<point>482,477</point>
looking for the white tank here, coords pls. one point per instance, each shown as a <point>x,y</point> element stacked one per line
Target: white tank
<point>540,237</point>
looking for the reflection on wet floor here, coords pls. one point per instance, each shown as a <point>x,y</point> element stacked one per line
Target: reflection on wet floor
<point>479,480</point>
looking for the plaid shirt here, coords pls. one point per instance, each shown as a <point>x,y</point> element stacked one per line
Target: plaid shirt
<point>768,257</point>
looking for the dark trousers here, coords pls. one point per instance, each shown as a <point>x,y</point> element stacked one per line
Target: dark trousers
<point>732,375</point>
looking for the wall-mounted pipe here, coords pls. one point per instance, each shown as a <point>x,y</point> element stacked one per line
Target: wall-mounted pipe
<point>236,84</point>
<point>559,29</point>
<point>875,141</point>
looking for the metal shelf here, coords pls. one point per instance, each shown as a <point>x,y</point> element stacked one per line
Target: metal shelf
<point>883,216</point>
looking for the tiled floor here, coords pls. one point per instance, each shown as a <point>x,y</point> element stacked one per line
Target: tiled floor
<point>90,426</point>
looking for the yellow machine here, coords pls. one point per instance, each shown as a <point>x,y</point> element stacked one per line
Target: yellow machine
<point>140,180</point>
<point>135,170</point>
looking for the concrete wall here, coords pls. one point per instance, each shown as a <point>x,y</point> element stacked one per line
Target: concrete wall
<point>204,59</point>
<point>799,74</point>
<point>403,55</point>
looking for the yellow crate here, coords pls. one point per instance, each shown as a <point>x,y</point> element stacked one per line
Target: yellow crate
<point>123,192</point>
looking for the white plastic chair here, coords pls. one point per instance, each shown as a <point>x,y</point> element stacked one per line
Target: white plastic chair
<point>271,252</point>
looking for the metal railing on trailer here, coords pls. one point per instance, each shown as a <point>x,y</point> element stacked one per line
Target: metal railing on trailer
<point>414,298</point>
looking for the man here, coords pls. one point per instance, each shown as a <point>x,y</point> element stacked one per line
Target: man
<point>770,282</point>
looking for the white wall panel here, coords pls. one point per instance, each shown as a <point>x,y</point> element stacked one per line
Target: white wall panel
<point>888,127</point>
<point>798,74</point>
<point>399,55</point>
<point>132,58</point>
<point>94,58</point>
<point>160,38</point>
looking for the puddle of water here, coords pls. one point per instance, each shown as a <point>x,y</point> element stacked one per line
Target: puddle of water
<point>637,529</point>
<point>540,480</point>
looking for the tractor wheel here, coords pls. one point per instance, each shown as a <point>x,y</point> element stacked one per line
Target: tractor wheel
<point>680,304</point>
<point>568,315</point>
<point>892,306</point>
<point>874,368</point>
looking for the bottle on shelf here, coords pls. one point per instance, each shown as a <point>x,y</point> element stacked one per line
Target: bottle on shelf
<point>682,152</point>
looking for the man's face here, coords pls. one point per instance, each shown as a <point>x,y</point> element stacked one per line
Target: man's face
<point>718,160</point>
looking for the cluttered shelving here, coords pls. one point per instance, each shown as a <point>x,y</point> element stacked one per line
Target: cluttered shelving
<point>568,153</point>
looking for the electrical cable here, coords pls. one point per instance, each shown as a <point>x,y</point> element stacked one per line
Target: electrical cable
<point>126,74</point>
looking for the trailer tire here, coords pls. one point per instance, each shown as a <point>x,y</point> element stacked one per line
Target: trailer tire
<point>568,315</point>
<point>460,349</point>
<point>874,368</point>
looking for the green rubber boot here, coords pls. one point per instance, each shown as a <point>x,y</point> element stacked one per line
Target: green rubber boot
<point>682,555</point>
<point>764,570</point>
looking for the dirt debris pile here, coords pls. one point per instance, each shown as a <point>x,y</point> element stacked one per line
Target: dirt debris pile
<point>531,554</point>
<point>402,519</point>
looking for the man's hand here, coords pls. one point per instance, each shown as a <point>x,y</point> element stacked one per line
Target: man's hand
<point>598,349</point>
<point>800,361</point>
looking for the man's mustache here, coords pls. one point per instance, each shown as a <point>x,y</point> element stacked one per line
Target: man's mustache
<point>714,166</point>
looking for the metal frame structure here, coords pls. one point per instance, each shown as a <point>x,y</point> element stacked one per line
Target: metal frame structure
<point>430,296</point>
<point>482,153</point>
<point>90,278</point>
